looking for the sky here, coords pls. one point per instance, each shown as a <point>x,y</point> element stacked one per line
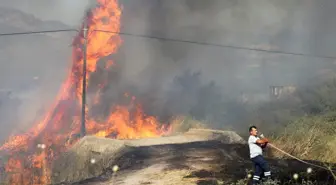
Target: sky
<point>67,11</point>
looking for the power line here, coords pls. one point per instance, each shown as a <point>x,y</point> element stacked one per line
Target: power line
<point>220,45</point>
<point>177,40</point>
<point>37,32</point>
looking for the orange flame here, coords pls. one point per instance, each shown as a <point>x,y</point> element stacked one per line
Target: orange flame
<point>60,126</point>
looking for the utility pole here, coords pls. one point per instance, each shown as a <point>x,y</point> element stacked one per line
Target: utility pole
<point>85,32</point>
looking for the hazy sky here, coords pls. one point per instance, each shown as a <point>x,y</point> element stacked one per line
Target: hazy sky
<point>67,11</point>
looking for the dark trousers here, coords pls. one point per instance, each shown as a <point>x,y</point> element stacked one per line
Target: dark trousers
<point>260,167</point>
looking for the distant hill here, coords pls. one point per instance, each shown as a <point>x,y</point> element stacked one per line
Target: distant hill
<point>24,57</point>
<point>18,20</point>
<point>32,66</point>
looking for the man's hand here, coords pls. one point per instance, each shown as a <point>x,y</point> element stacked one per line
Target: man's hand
<point>264,145</point>
<point>265,140</point>
<point>262,141</point>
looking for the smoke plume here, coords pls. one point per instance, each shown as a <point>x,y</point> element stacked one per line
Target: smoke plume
<point>150,65</point>
<point>172,78</point>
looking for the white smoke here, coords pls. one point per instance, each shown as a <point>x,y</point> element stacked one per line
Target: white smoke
<point>70,12</point>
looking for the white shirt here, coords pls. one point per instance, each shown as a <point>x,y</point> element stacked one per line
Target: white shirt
<point>255,149</point>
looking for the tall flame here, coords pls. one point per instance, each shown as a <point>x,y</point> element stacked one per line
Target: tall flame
<point>58,130</point>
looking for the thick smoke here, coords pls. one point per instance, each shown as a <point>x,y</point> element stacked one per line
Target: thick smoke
<point>286,26</point>
<point>173,78</point>
<point>289,26</point>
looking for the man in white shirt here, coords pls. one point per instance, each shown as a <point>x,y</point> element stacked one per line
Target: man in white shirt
<point>256,146</point>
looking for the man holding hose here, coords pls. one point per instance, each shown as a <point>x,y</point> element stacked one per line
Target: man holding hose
<point>256,145</point>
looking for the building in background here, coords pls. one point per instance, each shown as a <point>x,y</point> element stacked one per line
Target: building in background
<point>279,91</point>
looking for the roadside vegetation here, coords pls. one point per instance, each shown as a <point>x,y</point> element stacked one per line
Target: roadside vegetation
<point>302,123</point>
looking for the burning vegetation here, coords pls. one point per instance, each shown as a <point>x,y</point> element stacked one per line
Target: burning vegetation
<point>30,154</point>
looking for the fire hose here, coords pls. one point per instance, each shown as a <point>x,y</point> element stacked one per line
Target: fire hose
<point>289,155</point>
<point>298,159</point>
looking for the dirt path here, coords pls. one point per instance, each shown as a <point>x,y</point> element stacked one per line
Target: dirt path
<point>191,159</point>
<point>189,164</point>
<point>200,163</point>
<point>75,166</point>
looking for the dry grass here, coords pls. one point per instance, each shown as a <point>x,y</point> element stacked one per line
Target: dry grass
<point>310,138</point>
<point>182,124</point>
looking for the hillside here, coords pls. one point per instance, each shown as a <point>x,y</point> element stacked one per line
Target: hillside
<point>32,66</point>
<point>28,56</point>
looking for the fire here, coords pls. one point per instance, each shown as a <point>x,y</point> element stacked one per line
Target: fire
<point>59,129</point>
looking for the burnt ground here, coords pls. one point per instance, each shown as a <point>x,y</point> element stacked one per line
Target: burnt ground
<point>197,163</point>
